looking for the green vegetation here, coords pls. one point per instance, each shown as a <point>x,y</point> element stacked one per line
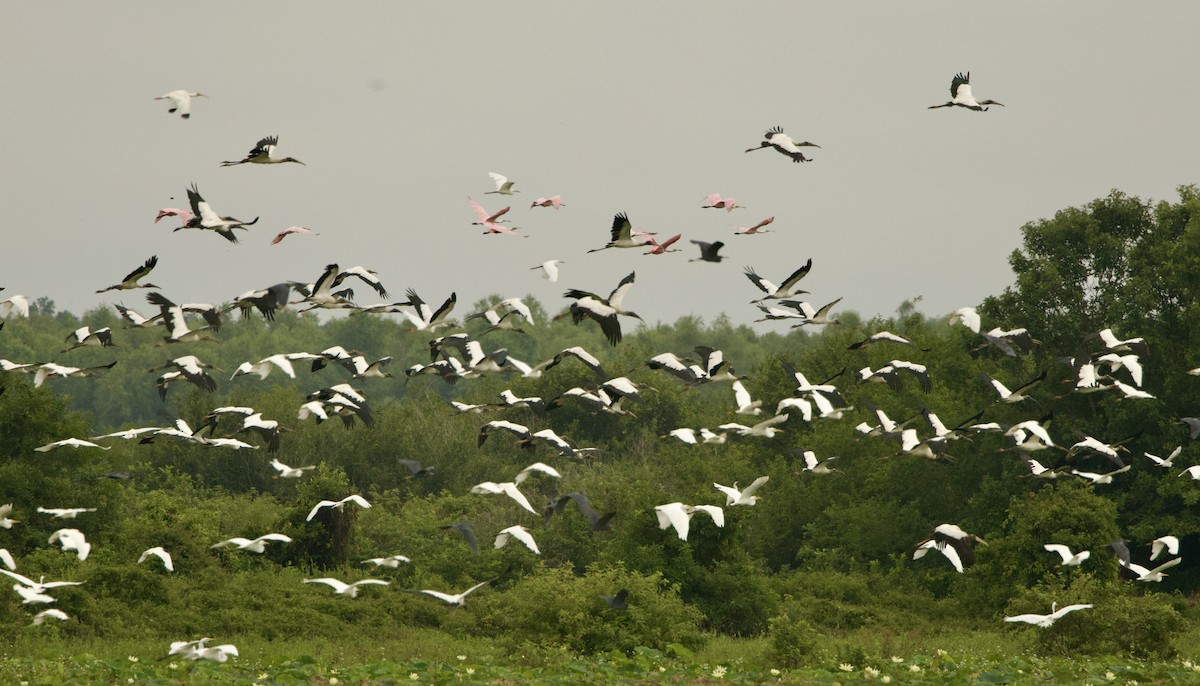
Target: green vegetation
<point>817,575</point>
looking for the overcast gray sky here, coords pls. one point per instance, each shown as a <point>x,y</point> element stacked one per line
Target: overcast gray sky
<point>401,109</point>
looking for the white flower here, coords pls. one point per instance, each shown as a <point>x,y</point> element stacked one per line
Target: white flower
<point>414,676</point>
<point>914,668</point>
<point>470,671</point>
<point>719,671</point>
<point>333,681</point>
<point>173,666</point>
<point>1109,675</point>
<point>461,658</point>
<point>774,672</point>
<point>897,659</point>
<point>846,667</point>
<point>264,676</point>
<point>1187,664</point>
<point>941,653</point>
<point>661,668</point>
<point>870,672</point>
<point>133,658</point>
<point>129,680</point>
<point>885,679</point>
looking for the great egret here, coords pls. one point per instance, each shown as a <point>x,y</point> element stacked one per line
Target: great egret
<point>342,588</point>
<point>161,554</point>
<point>256,545</point>
<point>1069,559</point>
<point>72,539</point>
<point>679,516</point>
<point>337,504</point>
<point>457,600</point>
<point>392,561</point>
<point>1046,621</point>
<point>743,497</point>
<point>41,617</point>
<point>521,534</point>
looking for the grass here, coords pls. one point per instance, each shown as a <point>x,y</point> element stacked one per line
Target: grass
<point>428,656</point>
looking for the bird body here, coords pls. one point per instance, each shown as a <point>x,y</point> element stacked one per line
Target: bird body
<point>961,96</point>
<point>786,145</point>
<point>261,153</point>
<point>181,101</point>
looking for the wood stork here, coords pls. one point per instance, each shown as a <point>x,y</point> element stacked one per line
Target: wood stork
<point>596,520</point>
<point>679,516</point>
<point>952,541</point>
<point>967,316</point>
<point>136,320</point>
<point>203,217</point>
<point>746,496</point>
<point>554,201</point>
<point>812,464</point>
<point>785,290</point>
<point>337,505</point>
<point>1019,393</point>
<point>765,428</point>
<point>716,202</point>
<point>391,561</point>
<point>687,371</point>
<point>549,269</point>
<point>784,144</point>
<point>1046,621</point>
<point>960,94</point>
<point>159,552</point>
<point>696,436</point>
<point>885,337</point>
<point>1069,559</point>
<point>503,185</point>
<point>281,361</point>
<point>745,405</point>
<point>192,370</point>
<point>1008,342</point>
<point>708,251</point>
<point>623,236</point>
<point>51,370</point>
<point>664,247</point>
<point>321,292</point>
<point>604,311</point>
<point>426,318</point>
<point>131,280</point>
<point>1088,444</point>
<point>456,599</point>
<point>83,337</point>
<point>521,534</point>
<point>177,327</point>
<point>219,653</point>
<point>754,230</point>
<point>291,230</point>
<point>262,152</point>
<point>181,101</point>
<point>415,469</point>
<point>1041,471</point>
<point>343,588</point>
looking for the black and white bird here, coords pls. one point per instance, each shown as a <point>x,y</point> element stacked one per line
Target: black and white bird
<point>131,280</point>
<point>85,337</point>
<point>604,311</point>
<point>261,154</point>
<point>178,330</point>
<point>784,144</point>
<point>952,541</point>
<point>784,290</point>
<point>961,96</point>
<point>708,251</point>
<point>427,318</point>
<point>203,217</point>
<point>622,235</point>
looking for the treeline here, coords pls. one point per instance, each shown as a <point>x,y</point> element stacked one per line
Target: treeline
<point>817,553</point>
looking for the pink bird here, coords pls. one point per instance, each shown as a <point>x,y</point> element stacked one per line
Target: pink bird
<point>292,229</point>
<point>185,215</point>
<point>555,202</point>
<point>757,228</point>
<point>483,218</point>
<point>660,248</point>
<point>715,201</point>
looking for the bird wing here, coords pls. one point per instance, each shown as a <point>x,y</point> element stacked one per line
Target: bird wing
<point>717,514</point>
<point>357,500</point>
<point>521,534</point>
<point>754,486</point>
<point>510,489</point>
<point>335,584</point>
<point>621,227</point>
<point>960,86</point>
<point>797,275</point>
<point>674,515</point>
<point>731,494</point>
<point>1062,550</point>
<point>741,395</point>
<point>618,293</point>
<point>317,508</point>
<point>762,284</point>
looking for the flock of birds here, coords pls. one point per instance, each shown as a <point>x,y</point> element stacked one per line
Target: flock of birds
<point>1114,367</point>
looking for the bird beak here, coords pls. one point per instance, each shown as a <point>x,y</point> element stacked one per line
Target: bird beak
<point>980,540</point>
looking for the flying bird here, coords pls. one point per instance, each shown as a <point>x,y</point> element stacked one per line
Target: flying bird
<point>716,202</point>
<point>291,230</point>
<point>261,154</point>
<point>960,94</point>
<point>708,251</point>
<point>342,588</point>
<point>549,269</point>
<point>1069,559</point>
<point>1046,621</point>
<point>785,290</point>
<point>603,311</point>
<point>743,497</point>
<point>203,217</point>
<point>503,185</point>
<point>754,230</point>
<point>131,280</point>
<point>554,201</point>
<point>256,545</point>
<point>159,552</point>
<point>952,541</point>
<point>457,599</point>
<point>784,144</point>
<point>181,101</point>
<point>337,504</point>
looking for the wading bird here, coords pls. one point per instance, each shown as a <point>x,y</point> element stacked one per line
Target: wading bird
<point>181,101</point>
<point>392,561</point>
<point>622,235</point>
<point>679,516</point>
<point>754,230</point>
<point>549,269</point>
<point>83,336</point>
<point>203,217</point>
<point>521,534</point>
<point>131,280</point>
<point>603,311</point>
<point>785,290</point>
<point>1046,621</point>
<point>784,144</point>
<point>159,552</point>
<point>960,94</point>
<point>256,545</point>
<point>716,202</point>
<point>457,600</point>
<point>503,185</point>
<point>261,154</point>
<point>554,201</point>
<point>957,545</point>
<point>708,251</point>
<point>342,588</point>
<point>743,497</point>
<point>337,504</point>
<point>1069,559</point>
<point>291,230</point>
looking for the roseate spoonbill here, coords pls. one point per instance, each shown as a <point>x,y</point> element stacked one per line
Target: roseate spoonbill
<point>664,247</point>
<point>716,202</point>
<point>290,230</point>
<point>554,201</point>
<point>756,229</point>
<point>960,93</point>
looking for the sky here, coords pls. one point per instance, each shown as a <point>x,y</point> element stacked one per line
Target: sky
<point>400,110</point>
